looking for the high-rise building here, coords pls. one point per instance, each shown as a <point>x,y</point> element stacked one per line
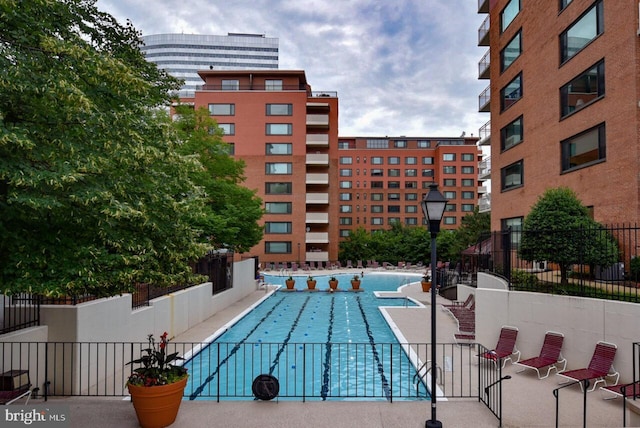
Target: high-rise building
<point>317,187</point>
<point>564,104</point>
<point>182,55</point>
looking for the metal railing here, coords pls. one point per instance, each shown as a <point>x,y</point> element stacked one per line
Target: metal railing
<point>19,311</point>
<point>556,393</point>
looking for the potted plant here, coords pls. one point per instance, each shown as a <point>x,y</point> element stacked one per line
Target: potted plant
<point>311,283</point>
<point>290,282</point>
<point>157,386</point>
<point>426,282</point>
<point>355,282</point>
<point>333,282</point>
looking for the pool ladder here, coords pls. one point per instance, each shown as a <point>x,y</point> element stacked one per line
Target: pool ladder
<point>426,366</point>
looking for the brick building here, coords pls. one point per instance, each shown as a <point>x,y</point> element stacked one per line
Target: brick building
<point>564,100</point>
<point>317,187</point>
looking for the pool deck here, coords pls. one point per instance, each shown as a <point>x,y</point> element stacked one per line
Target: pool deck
<point>527,401</point>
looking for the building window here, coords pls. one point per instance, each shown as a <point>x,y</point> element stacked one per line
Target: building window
<point>279,129</point>
<point>584,149</point>
<point>377,184</point>
<point>346,160</point>
<point>468,157</point>
<point>424,144</point>
<point>228,128</point>
<point>512,175</point>
<point>467,208</point>
<point>393,196</point>
<point>468,195</point>
<point>277,247</point>
<point>279,109</point>
<point>449,195</point>
<point>278,188</point>
<point>394,160</point>
<point>410,172</point>
<point>515,225</point>
<point>410,209</point>
<point>277,227</point>
<point>346,172</point>
<point>377,209</point>
<point>272,85</point>
<point>583,90</point>
<point>345,208</point>
<point>376,160</point>
<point>231,148</point>
<point>579,34</point>
<point>468,182</point>
<point>345,196</point>
<point>427,173</point>
<point>377,197</point>
<point>427,160</point>
<point>230,85</point>
<point>449,220</point>
<point>345,184</point>
<point>450,208</point>
<point>222,109</point>
<point>377,172</point>
<point>410,196</point>
<point>279,149</point>
<point>343,145</point>
<point>449,182</point>
<point>400,144</point>
<point>411,221</point>
<point>393,220</point>
<point>564,3</point>
<point>449,169</point>
<point>278,207</point>
<point>377,221</point>
<point>393,208</point>
<point>511,134</point>
<point>393,184</point>
<point>275,168</point>
<point>449,157</point>
<point>394,172</point>
<point>410,184</point>
<point>346,221</point>
<point>508,14</point>
<point>511,52</point>
<point>345,233</point>
<point>468,170</point>
<point>377,143</point>
<point>410,160</point>
<point>511,93</point>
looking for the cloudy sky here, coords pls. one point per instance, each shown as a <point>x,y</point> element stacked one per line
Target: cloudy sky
<point>400,67</point>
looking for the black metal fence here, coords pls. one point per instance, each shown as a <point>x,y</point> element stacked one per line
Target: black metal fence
<point>305,371</point>
<point>19,311</point>
<point>588,262</point>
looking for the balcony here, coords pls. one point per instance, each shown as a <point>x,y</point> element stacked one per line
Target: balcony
<point>317,218</point>
<point>317,179</point>
<point>317,237</point>
<point>317,256</point>
<point>484,169</point>
<point>483,33</point>
<point>317,159</point>
<point>483,65</point>
<point>317,198</point>
<point>484,100</point>
<point>483,6</point>
<point>482,190</point>
<point>484,203</point>
<point>485,134</point>
<point>318,120</point>
<point>318,140</point>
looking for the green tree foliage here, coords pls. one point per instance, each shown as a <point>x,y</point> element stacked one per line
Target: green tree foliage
<point>232,211</point>
<point>558,229</point>
<point>94,196</point>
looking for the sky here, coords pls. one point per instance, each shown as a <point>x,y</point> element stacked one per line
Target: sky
<point>400,67</point>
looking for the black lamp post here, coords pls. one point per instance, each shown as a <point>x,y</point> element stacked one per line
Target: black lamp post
<point>433,206</point>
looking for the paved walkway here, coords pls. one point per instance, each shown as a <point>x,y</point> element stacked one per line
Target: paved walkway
<point>528,402</point>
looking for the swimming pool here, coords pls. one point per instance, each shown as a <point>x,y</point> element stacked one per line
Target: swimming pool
<point>318,345</point>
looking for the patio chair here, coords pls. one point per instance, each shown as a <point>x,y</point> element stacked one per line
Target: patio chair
<point>600,367</point>
<point>360,266</point>
<point>459,304</point>
<point>550,356</point>
<point>628,390</point>
<point>15,385</point>
<point>505,348</point>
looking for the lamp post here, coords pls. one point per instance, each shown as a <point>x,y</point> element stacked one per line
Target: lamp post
<point>433,206</point>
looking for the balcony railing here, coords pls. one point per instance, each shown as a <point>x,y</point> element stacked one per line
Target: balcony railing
<point>484,100</point>
<point>483,33</point>
<point>485,134</point>
<point>483,66</point>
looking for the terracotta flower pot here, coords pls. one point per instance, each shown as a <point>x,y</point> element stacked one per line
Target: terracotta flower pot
<point>290,283</point>
<point>157,406</point>
<point>355,284</point>
<point>333,284</point>
<point>426,286</point>
<point>311,284</point>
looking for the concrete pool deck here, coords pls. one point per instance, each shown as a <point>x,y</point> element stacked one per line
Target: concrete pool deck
<point>527,401</point>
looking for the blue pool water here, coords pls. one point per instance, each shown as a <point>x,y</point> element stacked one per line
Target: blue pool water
<point>318,345</point>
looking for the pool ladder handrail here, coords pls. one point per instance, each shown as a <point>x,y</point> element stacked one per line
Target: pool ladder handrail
<point>423,377</point>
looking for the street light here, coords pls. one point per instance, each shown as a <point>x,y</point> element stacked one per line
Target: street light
<point>433,206</point>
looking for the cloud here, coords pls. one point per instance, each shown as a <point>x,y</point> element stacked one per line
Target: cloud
<point>405,67</point>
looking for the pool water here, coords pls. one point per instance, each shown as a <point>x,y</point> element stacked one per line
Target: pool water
<point>318,345</point>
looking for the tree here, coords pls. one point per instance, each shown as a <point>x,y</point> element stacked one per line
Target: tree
<point>94,196</point>
<point>232,211</point>
<point>558,229</point>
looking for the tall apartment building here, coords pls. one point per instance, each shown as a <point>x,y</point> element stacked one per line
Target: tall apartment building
<point>183,55</point>
<point>317,187</point>
<point>564,101</point>
<point>383,180</point>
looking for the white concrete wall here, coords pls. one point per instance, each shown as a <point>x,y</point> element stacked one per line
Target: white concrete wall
<point>583,321</point>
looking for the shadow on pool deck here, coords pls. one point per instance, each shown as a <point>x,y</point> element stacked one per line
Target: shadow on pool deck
<point>528,402</point>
